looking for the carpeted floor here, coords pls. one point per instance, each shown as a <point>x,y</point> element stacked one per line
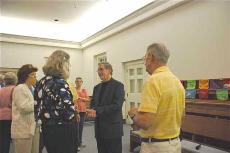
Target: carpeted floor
<point>90,142</point>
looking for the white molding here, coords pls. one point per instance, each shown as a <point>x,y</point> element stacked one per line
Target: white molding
<point>153,9</point>
<point>146,13</point>
<point>38,41</point>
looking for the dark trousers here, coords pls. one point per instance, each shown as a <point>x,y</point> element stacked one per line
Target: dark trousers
<point>41,143</point>
<point>5,136</point>
<point>60,138</point>
<point>113,145</point>
<point>77,134</point>
<point>81,124</point>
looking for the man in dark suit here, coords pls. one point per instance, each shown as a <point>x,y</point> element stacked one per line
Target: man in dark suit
<point>107,101</point>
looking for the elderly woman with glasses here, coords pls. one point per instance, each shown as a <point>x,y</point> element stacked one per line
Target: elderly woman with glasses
<point>23,122</point>
<point>55,105</point>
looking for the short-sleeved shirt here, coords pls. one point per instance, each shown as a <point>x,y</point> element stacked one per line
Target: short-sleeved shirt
<point>164,96</point>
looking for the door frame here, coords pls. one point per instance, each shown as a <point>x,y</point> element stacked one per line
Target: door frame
<point>125,66</point>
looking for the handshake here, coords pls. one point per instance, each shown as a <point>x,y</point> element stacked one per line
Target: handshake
<point>91,113</point>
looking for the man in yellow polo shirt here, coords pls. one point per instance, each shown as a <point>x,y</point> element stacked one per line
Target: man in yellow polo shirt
<point>159,116</point>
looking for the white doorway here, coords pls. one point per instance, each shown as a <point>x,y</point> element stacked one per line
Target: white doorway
<point>98,59</point>
<point>135,75</point>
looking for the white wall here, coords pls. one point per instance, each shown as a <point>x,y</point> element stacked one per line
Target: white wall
<point>15,55</point>
<point>197,33</point>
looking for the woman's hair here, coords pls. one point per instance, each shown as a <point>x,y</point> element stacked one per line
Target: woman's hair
<point>24,72</point>
<point>10,78</point>
<point>56,62</point>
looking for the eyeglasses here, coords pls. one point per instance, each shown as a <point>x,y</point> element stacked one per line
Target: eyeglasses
<point>32,75</point>
<point>145,57</point>
<point>100,70</point>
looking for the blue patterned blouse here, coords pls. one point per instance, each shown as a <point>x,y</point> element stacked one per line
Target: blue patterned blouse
<point>53,101</point>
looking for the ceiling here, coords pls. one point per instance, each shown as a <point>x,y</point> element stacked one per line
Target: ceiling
<point>77,19</point>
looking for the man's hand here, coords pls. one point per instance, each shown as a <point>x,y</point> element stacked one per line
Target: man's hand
<point>83,99</point>
<point>76,107</point>
<point>142,120</point>
<point>132,112</point>
<point>91,113</point>
<point>78,118</point>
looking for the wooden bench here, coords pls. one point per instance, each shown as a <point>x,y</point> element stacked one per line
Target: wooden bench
<point>208,122</point>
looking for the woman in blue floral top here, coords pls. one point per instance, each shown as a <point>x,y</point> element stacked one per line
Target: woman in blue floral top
<point>55,107</point>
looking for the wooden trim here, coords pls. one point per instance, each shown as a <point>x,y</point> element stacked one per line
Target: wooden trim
<point>38,41</point>
<point>207,126</point>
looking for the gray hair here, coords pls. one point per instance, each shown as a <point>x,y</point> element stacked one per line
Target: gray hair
<point>56,62</point>
<point>107,65</point>
<point>10,78</point>
<point>159,51</point>
<point>1,78</point>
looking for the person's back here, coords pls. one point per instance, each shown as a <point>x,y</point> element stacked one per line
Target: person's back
<point>162,104</point>
<point>10,80</point>
<point>55,107</point>
<point>6,102</point>
<point>167,120</point>
<point>56,97</point>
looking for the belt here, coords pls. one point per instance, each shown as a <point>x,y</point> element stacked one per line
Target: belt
<point>156,140</point>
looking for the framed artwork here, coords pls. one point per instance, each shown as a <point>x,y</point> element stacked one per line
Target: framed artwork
<point>3,70</point>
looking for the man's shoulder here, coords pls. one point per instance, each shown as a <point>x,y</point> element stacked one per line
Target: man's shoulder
<point>97,85</point>
<point>116,81</point>
<point>112,81</point>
